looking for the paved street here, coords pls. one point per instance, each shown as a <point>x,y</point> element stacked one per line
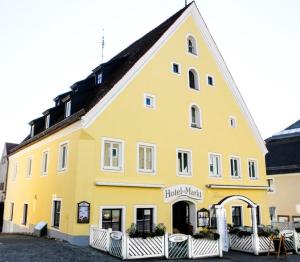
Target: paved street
<point>26,248</point>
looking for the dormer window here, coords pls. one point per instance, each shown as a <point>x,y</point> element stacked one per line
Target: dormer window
<point>32,130</point>
<point>68,108</point>
<point>47,122</point>
<point>99,79</point>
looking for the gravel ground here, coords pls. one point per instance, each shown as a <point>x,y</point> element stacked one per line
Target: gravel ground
<point>27,248</point>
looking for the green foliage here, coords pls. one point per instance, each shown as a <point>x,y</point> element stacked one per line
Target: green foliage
<point>133,232</point>
<point>207,233</point>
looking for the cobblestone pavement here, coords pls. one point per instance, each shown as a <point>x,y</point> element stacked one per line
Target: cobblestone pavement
<point>26,248</point>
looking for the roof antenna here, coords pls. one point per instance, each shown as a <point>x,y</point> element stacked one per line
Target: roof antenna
<point>102,46</point>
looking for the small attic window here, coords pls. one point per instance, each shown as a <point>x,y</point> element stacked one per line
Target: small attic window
<point>191,45</point>
<point>47,121</point>
<point>99,78</point>
<point>68,108</point>
<point>32,130</point>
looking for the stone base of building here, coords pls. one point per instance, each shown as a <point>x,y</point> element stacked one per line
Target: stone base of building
<point>10,227</point>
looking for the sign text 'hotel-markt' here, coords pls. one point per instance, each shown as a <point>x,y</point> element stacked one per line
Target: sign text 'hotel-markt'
<point>178,191</point>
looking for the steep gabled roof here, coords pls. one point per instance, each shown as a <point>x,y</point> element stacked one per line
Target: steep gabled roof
<point>85,94</point>
<point>289,132</point>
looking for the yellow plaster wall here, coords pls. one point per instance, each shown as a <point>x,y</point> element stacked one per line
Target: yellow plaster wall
<point>167,126</point>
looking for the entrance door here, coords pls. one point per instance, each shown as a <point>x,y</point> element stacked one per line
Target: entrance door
<point>1,215</point>
<point>181,218</point>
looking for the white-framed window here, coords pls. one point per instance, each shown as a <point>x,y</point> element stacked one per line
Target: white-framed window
<point>146,158</point>
<point>232,122</point>
<point>149,101</point>
<point>191,45</point>
<point>15,171</point>
<point>210,80</point>
<point>32,130</point>
<point>184,162</point>
<point>25,214</point>
<point>112,217</point>
<point>176,68</point>
<point>29,167</point>
<point>193,79</point>
<point>112,154</point>
<point>271,185</point>
<point>47,121</point>
<point>56,213</point>
<point>99,78</point>
<point>252,169</point>
<point>145,217</point>
<point>68,108</point>
<point>45,159</point>
<point>195,117</point>
<point>63,156</point>
<point>11,215</point>
<point>235,167</point>
<point>214,165</point>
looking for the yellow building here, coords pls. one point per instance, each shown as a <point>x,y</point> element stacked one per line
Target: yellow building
<point>283,173</point>
<point>154,135</point>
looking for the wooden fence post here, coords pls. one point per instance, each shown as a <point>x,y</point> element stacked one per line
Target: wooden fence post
<point>108,239</point>
<point>190,247</point>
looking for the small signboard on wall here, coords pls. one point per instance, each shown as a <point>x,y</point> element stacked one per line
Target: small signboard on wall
<point>83,215</point>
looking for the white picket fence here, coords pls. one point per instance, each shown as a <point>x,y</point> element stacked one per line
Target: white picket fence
<point>244,243</point>
<point>99,238</point>
<point>122,246</point>
<point>205,248</point>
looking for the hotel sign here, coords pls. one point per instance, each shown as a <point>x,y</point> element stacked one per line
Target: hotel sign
<point>178,191</point>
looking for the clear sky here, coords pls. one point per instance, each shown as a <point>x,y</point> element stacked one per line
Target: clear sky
<point>47,45</point>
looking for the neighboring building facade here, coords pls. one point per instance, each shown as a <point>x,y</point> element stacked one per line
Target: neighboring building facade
<point>154,135</point>
<point>3,177</point>
<point>283,172</point>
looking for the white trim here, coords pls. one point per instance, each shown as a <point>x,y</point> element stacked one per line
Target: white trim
<point>255,167</point>
<point>54,198</point>
<point>200,117</point>
<point>123,184</point>
<point>119,169</point>
<point>154,207</point>
<point>187,45</point>
<point>123,213</point>
<point>141,171</point>
<point>47,121</point>
<point>94,113</point>
<point>220,165</point>
<point>60,134</point>
<point>29,174</point>
<point>213,80</point>
<point>235,121</point>
<point>242,212</point>
<point>192,10</point>
<point>239,167</point>
<point>153,99</point>
<point>172,68</point>
<point>197,79</point>
<point>227,75</point>
<point>60,145</point>
<point>42,163</point>
<point>213,186</point>
<point>190,162</point>
<point>68,106</point>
